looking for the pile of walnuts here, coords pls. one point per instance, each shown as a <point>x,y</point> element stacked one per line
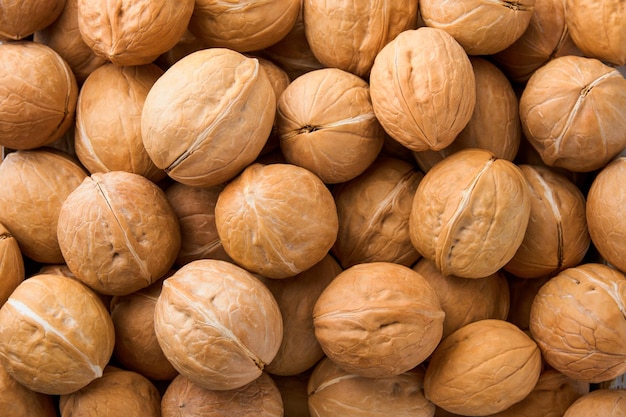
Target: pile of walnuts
<point>312,208</point>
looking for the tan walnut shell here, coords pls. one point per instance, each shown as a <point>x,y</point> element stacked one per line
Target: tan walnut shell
<point>423,89</point>
<point>39,94</point>
<point>217,324</point>
<point>118,233</point>
<point>208,116</point>
<point>132,32</point>
<point>482,368</point>
<point>56,336</point>
<point>572,112</point>
<point>21,18</point>
<point>600,402</point>
<point>470,213</point>
<point>327,125</point>
<point>378,319</point>
<point>577,319</point>
<point>12,271</point>
<point>482,27</point>
<point>335,392</point>
<point>257,213</point>
<point>349,34</point>
<point>20,401</point>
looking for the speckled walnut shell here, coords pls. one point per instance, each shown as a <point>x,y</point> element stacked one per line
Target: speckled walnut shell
<point>39,95</point>
<point>601,402</point>
<point>296,296</point>
<point>56,336</point>
<point>373,212</point>
<point>117,392</point>
<point>19,401</point>
<point>245,25</point>
<point>572,112</point>
<point>257,213</point>
<point>556,237</point>
<point>423,89</point>
<point>604,205</point>
<point>466,300</point>
<point>108,120</point>
<point>259,398</point>
<point>598,28</point>
<point>34,186</point>
<point>217,324</point>
<point>482,27</point>
<point>12,271</point>
<point>577,319</point>
<point>482,368</point>
<point>349,34</point>
<point>378,319</point>
<point>212,102</point>
<point>19,19</point>
<point>469,213</point>
<point>335,392</point>
<point>132,32</point>
<point>327,124</point>
<point>118,233</point>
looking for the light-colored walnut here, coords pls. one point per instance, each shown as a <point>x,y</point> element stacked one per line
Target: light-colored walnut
<point>21,18</point>
<point>601,402</point>
<point>12,271</point>
<point>19,401</point>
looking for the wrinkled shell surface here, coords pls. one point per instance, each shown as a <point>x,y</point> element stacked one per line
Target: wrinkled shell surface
<point>19,401</point>
<point>259,398</point>
<point>21,18</point>
<point>469,213</point>
<point>34,186</point>
<point>296,297</point>
<point>482,368</point>
<point>572,112</point>
<point>335,392</point>
<point>108,120</point>
<point>373,212</point>
<point>217,324</point>
<point>244,25</point>
<point>349,34</point>
<point>257,213</point>
<point>56,336</point>
<point>423,89</point>
<point>482,27</point>
<point>39,95</point>
<point>118,392</point>
<point>132,32</point>
<point>601,402</point>
<point>378,319</point>
<point>12,271</point>
<point>118,233</point>
<point>577,319</point>
<point>605,202</point>
<point>327,124</point>
<point>208,116</point>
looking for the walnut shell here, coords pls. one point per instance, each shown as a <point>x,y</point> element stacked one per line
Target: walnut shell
<point>132,32</point>
<point>230,311</point>
<point>335,392</point>
<point>577,319</point>
<point>56,336</point>
<point>259,398</point>
<point>378,319</point>
<point>19,401</point>
<point>245,25</point>
<point>604,207</point>
<point>117,392</point>
<point>34,185</point>
<point>108,120</point>
<point>19,19</point>
<point>572,112</point>
<point>482,368</point>
<point>39,95</point>
<point>12,271</point>
<point>523,292</point>
<point>327,125</point>
<point>423,89</point>
<point>598,28</point>
<point>466,300</point>
<point>293,390</point>
<point>482,27</point>
<point>118,233</point>
<point>469,213</point>
<point>349,34</point>
<point>211,102</point>
<point>296,297</point>
<point>257,213</point>
<point>373,212</point>
<point>601,402</point>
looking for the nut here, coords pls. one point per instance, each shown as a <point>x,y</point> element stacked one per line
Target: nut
<point>22,401</point>
<point>20,19</point>
<point>601,402</point>
<point>12,271</point>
